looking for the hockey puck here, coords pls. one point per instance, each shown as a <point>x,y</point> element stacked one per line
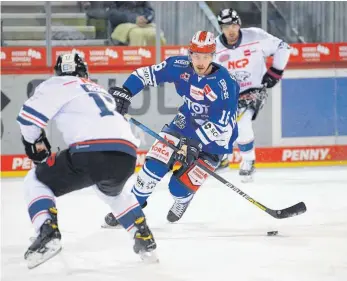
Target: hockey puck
<point>272,233</point>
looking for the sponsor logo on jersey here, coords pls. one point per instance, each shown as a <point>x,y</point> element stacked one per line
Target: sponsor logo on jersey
<point>224,57</point>
<point>223,85</point>
<point>180,121</point>
<point>147,76</point>
<point>247,52</point>
<point>196,93</point>
<point>196,107</point>
<point>183,62</point>
<point>241,75</point>
<point>211,77</point>
<point>209,93</point>
<point>242,63</point>
<point>185,76</point>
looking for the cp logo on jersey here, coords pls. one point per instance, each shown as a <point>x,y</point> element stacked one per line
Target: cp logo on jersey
<point>238,63</point>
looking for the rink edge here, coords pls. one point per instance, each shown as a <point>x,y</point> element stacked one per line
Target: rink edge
<point>18,174</point>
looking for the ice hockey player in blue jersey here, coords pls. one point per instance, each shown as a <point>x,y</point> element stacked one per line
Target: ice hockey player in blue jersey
<point>204,128</point>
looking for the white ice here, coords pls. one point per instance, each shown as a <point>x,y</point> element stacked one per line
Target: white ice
<point>221,237</point>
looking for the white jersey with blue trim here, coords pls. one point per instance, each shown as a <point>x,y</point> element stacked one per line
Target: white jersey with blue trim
<point>209,111</point>
<point>84,113</point>
<point>246,60</point>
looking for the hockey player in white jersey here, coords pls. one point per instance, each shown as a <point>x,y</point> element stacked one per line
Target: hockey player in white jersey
<point>243,51</point>
<point>101,153</point>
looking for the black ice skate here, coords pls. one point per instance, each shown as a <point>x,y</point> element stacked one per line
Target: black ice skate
<point>178,208</point>
<point>144,241</point>
<point>47,243</point>
<point>247,170</point>
<point>111,221</point>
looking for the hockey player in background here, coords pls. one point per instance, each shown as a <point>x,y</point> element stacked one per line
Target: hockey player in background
<point>204,128</point>
<point>243,51</point>
<point>101,153</point>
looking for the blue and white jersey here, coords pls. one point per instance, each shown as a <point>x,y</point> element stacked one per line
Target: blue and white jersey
<point>209,111</point>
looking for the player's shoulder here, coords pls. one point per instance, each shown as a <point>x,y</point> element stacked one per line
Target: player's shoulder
<point>254,33</point>
<point>57,81</point>
<point>59,84</point>
<point>178,61</point>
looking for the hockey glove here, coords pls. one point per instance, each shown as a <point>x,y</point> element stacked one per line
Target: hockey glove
<point>271,77</point>
<point>254,99</point>
<point>38,151</point>
<point>122,97</point>
<point>189,151</point>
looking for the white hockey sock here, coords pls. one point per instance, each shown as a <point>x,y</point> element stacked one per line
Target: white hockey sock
<point>248,155</point>
<point>39,199</point>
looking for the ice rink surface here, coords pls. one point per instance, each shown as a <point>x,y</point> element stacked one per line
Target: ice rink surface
<point>221,237</point>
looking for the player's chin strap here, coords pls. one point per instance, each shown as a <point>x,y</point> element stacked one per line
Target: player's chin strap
<point>292,211</point>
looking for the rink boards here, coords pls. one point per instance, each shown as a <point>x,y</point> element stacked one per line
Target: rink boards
<point>304,122</point>
<point>280,157</point>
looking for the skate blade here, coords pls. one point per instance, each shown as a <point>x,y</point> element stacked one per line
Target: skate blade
<point>149,257</point>
<point>52,248</point>
<point>247,179</point>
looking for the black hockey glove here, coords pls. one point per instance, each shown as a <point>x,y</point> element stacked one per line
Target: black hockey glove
<point>254,99</point>
<point>122,97</point>
<point>271,77</point>
<point>32,151</point>
<point>189,151</point>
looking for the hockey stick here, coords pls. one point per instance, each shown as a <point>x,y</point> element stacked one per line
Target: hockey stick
<point>292,211</point>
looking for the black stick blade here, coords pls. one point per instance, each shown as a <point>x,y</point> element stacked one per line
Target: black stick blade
<point>292,211</point>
